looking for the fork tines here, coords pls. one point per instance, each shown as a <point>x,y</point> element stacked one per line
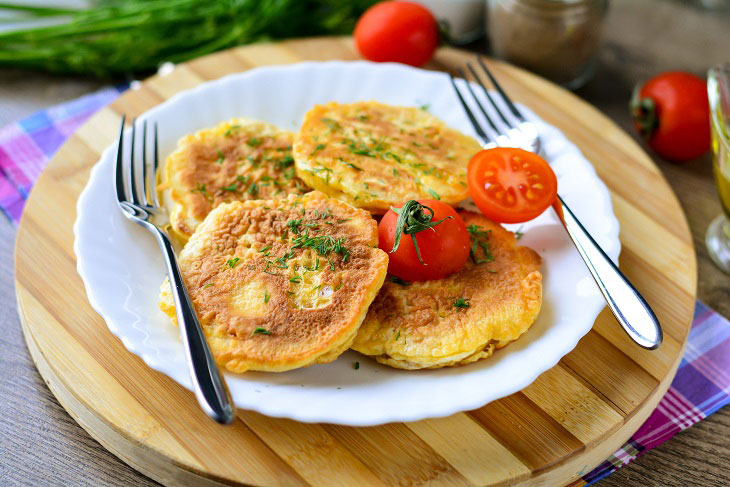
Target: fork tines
<point>503,119</point>
<point>135,184</point>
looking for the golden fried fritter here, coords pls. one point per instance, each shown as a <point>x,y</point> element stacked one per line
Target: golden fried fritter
<point>462,318</point>
<point>374,156</point>
<point>281,284</point>
<point>241,159</point>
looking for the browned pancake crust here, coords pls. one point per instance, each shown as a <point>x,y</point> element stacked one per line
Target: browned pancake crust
<point>241,159</point>
<point>312,311</point>
<point>374,156</point>
<point>418,326</point>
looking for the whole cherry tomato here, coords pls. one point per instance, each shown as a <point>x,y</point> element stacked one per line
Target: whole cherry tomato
<point>425,239</point>
<point>396,31</point>
<point>672,113</point>
<point>511,185</point>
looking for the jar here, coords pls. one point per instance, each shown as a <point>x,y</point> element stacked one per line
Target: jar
<point>557,39</point>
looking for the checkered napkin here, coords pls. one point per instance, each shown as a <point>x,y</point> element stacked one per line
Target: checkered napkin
<point>702,384</point>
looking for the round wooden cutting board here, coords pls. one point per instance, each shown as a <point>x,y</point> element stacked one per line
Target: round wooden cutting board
<point>560,427</point>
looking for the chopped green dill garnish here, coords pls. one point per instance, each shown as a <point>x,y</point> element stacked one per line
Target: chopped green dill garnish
<point>253,190</point>
<point>232,187</point>
<point>395,172</point>
<point>324,245</point>
<point>399,281</point>
<point>461,302</point>
<point>479,237</point>
<point>295,278</point>
<point>493,271</point>
<point>415,144</point>
<point>343,220</point>
<point>393,156</point>
<point>338,286</point>
<point>424,106</point>
<point>317,148</point>
<point>231,129</point>
<point>349,164</point>
<point>200,188</point>
<point>267,296</point>
<point>232,262</point>
<point>332,124</point>
<point>294,226</point>
<point>285,161</point>
<point>356,365</point>
<point>397,336</point>
<point>242,179</point>
<point>260,331</point>
<point>363,118</point>
<point>221,157</point>
<point>208,285</point>
<point>316,287</point>
<point>519,233</point>
<point>264,249</point>
<point>366,185</point>
<point>254,142</point>
<point>434,194</point>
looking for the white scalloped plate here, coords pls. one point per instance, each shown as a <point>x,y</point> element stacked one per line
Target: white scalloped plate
<point>122,268</point>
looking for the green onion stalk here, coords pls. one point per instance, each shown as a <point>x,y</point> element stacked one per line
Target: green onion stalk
<point>115,38</point>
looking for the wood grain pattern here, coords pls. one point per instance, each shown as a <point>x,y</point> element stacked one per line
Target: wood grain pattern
<point>530,436</point>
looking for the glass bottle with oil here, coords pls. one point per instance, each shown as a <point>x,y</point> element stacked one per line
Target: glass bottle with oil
<point>718,233</point>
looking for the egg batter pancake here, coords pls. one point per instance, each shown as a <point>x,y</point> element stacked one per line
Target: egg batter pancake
<point>374,156</point>
<point>241,159</point>
<point>462,318</point>
<point>281,284</point>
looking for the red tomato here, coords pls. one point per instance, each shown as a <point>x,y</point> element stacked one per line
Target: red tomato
<point>511,185</point>
<point>402,32</point>
<point>672,112</point>
<point>444,248</point>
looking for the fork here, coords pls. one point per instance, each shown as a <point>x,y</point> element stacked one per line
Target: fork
<point>512,129</point>
<point>139,203</point>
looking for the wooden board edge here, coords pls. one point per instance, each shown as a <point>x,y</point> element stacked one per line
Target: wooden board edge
<point>148,462</point>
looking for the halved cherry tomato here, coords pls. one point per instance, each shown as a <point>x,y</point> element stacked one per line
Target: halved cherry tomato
<point>511,185</point>
<point>443,248</point>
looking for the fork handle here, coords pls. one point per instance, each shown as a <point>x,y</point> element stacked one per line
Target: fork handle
<point>628,306</point>
<point>210,389</point>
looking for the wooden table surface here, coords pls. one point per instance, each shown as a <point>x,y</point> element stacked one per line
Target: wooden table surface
<point>40,443</point>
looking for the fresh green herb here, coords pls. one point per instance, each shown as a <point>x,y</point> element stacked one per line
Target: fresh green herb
<point>284,162</point>
<point>424,106</point>
<point>296,279</point>
<point>479,237</point>
<point>200,188</point>
<point>349,164</point>
<point>208,285</point>
<point>413,218</point>
<point>519,233</point>
<point>232,187</point>
<point>232,262</point>
<point>356,365</point>
<point>363,118</point>
<point>113,39</point>
<point>434,194</point>
<point>461,303</point>
<point>231,129</point>
<point>397,336</point>
<point>253,190</point>
<point>324,245</point>
<point>260,331</point>
<point>316,287</point>
<point>317,148</point>
<point>254,142</point>
<point>264,249</point>
<point>399,281</point>
<point>221,157</point>
<point>338,286</point>
<point>332,124</point>
<point>395,172</point>
<point>393,156</point>
<point>492,271</point>
<point>242,179</point>
<point>267,296</point>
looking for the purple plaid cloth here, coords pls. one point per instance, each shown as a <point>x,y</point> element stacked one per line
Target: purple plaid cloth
<point>702,384</point>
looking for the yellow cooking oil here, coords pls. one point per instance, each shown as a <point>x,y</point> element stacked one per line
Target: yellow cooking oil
<point>721,151</point>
